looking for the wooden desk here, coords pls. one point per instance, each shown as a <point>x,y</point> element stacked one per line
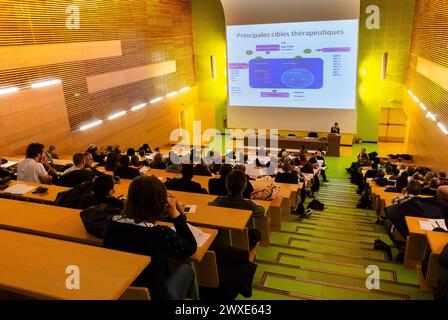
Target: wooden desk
<point>57,162</point>
<point>36,266</point>
<point>415,242</point>
<point>436,243</point>
<point>48,197</point>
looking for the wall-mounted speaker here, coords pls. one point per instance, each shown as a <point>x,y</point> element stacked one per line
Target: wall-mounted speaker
<point>384,66</point>
<point>213,66</point>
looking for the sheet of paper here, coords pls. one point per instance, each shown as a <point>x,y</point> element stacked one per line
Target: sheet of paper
<point>9,164</point>
<point>19,189</point>
<point>200,236</point>
<point>432,224</point>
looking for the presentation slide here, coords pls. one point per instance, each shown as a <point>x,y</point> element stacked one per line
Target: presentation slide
<point>293,65</point>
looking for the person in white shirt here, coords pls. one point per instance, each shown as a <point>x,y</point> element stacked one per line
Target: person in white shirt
<point>33,168</point>
<point>79,161</point>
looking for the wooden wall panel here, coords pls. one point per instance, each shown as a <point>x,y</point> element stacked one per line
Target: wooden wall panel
<point>425,139</point>
<point>149,32</point>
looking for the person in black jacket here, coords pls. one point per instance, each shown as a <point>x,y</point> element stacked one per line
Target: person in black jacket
<point>288,175</point>
<point>136,231</point>
<point>103,192</point>
<point>185,183</point>
<point>89,165</point>
<point>124,171</point>
<point>217,186</point>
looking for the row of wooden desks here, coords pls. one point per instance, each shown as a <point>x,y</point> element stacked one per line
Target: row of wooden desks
<point>421,244</point>
<point>65,224</point>
<point>37,267</point>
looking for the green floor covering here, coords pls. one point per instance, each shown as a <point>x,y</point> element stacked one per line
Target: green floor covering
<point>325,257</point>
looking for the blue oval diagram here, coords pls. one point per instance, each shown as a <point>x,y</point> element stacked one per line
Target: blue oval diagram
<point>298,78</point>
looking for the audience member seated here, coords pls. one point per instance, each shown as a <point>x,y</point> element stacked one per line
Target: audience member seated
<point>236,183</point>
<point>130,152</point>
<point>217,186</point>
<point>112,161</point>
<point>124,171</point>
<point>250,188</point>
<point>372,173</point>
<point>442,177</point>
<point>172,167</point>
<point>381,180</point>
<point>6,173</point>
<point>51,154</point>
<point>431,188</point>
<point>431,208</point>
<point>201,169</point>
<point>136,231</point>
<point>102,193</point>
<point>410,191</point>
<point>76,174</point>
<point>400,183</point>
<point>146,149</point>
<point>79,163</point>
<point>288,175</point>
<point>33,168</point>
<point>157,162</point>
<point>89,165</point>
<point>308,168</point>
<point>395,174</point>
<point>363,157</point>
<point>135,162</point>
<point>185,183</point>
<point>97,156</point>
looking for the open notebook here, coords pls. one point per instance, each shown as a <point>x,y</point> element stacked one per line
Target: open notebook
<point>19,189</point>
<point>432,224</point>
<point>200,236</point>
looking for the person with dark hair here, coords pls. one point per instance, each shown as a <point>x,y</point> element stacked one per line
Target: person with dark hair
<point>431,188</point>
<point>335,129</point>
<point>363,157</point>
<point>102,193</point>
<point>34,167</point>
<point>288,175</point>
<point>249,188</point>
<point>201,169</point>
<point>307,168</point>
<point>372,173</point>
<point>135,162</point>
<point>130,152</point>
<point>79,163</point>
<point>124,171</point>
<point>51,153</point>
<point>185,183</point>
<point>236,183</point>
<point>381,180</point>
<point>157,162</point>
<point>217,186</point>
<point>412,190</point>
<point>146,149</point>
<point>112,161</point>
<point>400,183</point>
<point>136,231</point>
<point>442,177</point>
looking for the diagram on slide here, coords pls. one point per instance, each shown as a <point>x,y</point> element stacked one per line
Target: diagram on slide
<point>298,73</point>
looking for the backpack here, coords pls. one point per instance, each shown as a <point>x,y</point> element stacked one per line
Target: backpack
<point>72,198</point>
<point>94,218</point>
<point>364,202</point>
<point>316,205</point>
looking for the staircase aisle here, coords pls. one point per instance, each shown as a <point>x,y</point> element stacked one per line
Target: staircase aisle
<point>325,257</point>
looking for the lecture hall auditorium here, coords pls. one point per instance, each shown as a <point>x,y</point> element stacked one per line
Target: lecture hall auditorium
<point>224,151</point>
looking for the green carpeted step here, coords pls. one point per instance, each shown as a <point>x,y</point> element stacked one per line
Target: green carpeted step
<point>327,290</point>
<point>341,279</point>
<point>260,293</point>
<point>343,226</point>
<point>402,274</point>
